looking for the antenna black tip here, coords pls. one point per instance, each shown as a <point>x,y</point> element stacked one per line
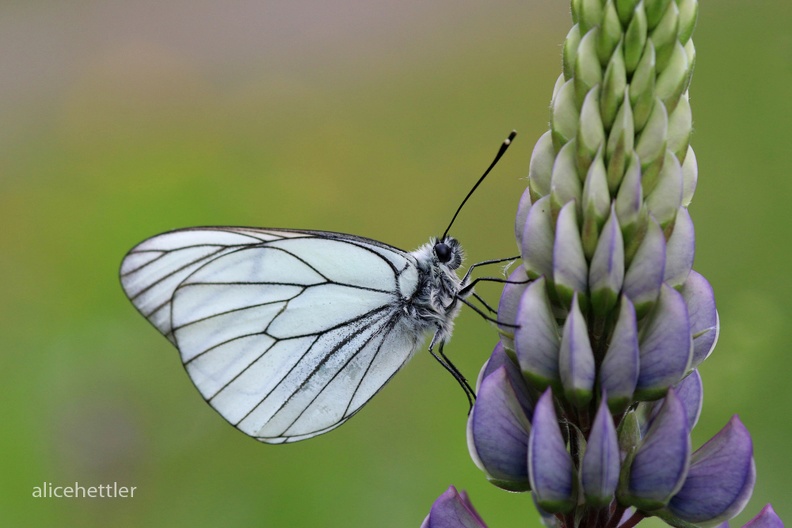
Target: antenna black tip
<point>501,150</point>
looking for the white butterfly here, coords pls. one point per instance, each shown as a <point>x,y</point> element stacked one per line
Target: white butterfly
<point>287,334</point>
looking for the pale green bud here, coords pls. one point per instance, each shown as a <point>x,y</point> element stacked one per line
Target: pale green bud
<point>673,80</point>
<point>666,197</point>
<point>591,134</point>
<point>565,184</point>
<point>564,115</point>
<point>541,168</point>
<point>596,204</point>
<point>610,33</point>
<point>655,9</point>
<point>642,87</point>
<point>620,145</point>
<point>651,145</point>
<point>569,54</point>
<point>588,72</point>
<point>664,36</point>
<point>635,38</point>
<point>629,200</point>
<point>613,86</point>
<point>689,176</point>
<point>589,14</point>
<point>625,9</point>
<point>680,127</point>
<point>688,13</point>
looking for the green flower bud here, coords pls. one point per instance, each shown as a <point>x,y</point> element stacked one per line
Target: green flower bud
<point>621,142</point>
<point>673,80</point>
<point>569,53</point>
<point>688,13</point>
<point>591,134</point>
<point>635,38</point>
<point>613,85</point>
<point>589,14</point>
<point>541,168</point>
<point>596,204</point>
<point>610,33</point>
<point>625,9</point>
<point>664,200</point>
<point>629,200</point>
<point>564,115</point>
<point>651,145</point>
<point>689,177</point>
<point>655,9</point>
<point>680,127</point>
<point>664,36</point>
<point>588,72</point>
<point>565,184</point>
<point>642,87</point>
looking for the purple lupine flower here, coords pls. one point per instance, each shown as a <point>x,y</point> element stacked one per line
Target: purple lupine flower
<point>766,518</point>
<point>589,399</point>
<point>453,510</point>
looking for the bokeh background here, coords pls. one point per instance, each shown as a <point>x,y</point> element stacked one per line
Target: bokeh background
<point>124,119</point>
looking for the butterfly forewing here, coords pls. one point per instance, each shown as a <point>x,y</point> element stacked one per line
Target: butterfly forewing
<point>285,333</point>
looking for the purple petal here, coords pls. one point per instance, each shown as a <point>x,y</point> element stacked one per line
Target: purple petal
<point>537,339</point>
<point>606,275</point>
<point>497,359</point>
<point>550,466</point>
<point>509,303</point>
<point>619,370</point>
<point>537,240</point>
<point>601,462</point>
<point>645,272</point>
<point>680,249</point>
<point>498,429</point>
<point>767,518</point>
<point>661,462</point>
<point>570,270</point>
<point>453,510</point>
<point>576,359</point>
<point>690,392</point>
<point>704,325</point>
<point>721,477</point>
<point>665,346</point>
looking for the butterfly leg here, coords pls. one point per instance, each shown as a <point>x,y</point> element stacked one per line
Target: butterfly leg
<point>450,367</point>
<point>485,263</point>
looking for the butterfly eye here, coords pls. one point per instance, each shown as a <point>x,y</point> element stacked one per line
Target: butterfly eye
<point>443,252</point>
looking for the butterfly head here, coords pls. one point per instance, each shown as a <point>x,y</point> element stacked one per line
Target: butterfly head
<point>448,251</point>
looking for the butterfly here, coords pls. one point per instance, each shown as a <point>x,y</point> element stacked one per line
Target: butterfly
<point>288,333</point>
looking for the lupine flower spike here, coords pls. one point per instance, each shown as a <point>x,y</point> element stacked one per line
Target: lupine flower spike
<point>588,399</point>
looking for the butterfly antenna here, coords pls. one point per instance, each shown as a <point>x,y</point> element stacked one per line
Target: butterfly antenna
<point>498,156</point>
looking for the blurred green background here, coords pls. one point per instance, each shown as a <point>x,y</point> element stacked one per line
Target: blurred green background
<point>125,119</point>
